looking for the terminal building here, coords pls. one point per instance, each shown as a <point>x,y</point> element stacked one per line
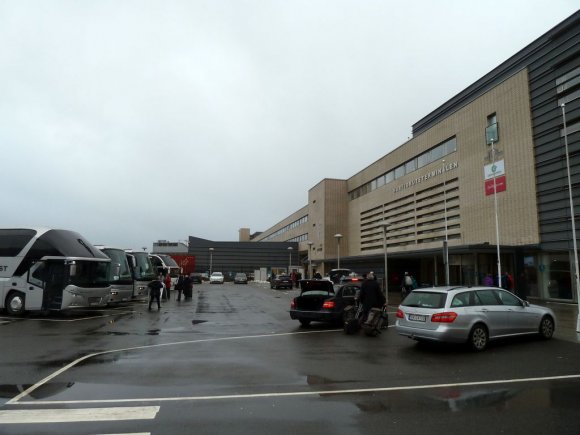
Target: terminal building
<point>495,152</point>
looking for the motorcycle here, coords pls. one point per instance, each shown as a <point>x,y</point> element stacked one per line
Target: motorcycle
<point>376,320</point>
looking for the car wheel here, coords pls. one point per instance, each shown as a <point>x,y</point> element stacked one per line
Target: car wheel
<point>547,327</point>
<point>478,337</point>
<point>15,304</point>
<point>304,322</point>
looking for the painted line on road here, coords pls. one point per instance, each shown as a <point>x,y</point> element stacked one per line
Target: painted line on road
<point>29,390</point>
<point>308,393</point>
<point>100,316</point>
<point>26,416</point>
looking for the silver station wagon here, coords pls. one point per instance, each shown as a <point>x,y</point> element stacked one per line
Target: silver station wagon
<point>473,315</point>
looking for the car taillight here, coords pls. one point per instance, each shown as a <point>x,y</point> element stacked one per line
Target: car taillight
<point>400,314</point>
<point>329,305</point>
<point>447,317</point>
<point>293,304</point>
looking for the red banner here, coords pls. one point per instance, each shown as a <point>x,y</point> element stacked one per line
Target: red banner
<point>500,185</point>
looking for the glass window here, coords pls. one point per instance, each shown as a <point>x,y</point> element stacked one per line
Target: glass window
<point>389,176</point>
<point>410,166</point>
<point>508,299</point>
<point>13,241</point>
<point>451,146</point>
<point>437,152</point>
<point>487,297</point>
<point>373,184</point>
<point>425,299</point>
<point>424,159</point>
<point>381,181</point>
<point>400,171</point>
<point>461,300</point>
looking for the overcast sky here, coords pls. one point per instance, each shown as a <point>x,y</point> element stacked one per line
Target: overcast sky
<point>135,121</point>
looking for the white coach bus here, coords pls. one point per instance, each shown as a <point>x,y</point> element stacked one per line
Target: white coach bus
<point>48,269</point>
<point>119,274</point>
<point>143,272</point>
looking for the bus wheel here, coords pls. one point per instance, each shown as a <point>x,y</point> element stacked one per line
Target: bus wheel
<point>15,304</point>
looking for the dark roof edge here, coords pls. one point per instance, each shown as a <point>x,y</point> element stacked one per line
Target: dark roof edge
<point>504,70</point>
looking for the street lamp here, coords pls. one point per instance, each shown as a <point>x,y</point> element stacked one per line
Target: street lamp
<point>573,218</point>
<point>289,259</point>
<point>496,218</point>
<point>338,237</point>
<point>310,257</point>
<point>446,241</point>
<point>384,226</point>
<point>210,259</point>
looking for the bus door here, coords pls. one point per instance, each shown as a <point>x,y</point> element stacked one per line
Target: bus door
<point>51,276</point>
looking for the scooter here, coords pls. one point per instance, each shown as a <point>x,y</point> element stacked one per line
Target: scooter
<point>353,320</point>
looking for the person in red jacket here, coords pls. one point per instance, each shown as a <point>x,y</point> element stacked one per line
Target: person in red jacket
<point>167,281</point>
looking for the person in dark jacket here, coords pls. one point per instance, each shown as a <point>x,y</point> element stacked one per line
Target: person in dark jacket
<point>179,286</point>
<point>370,295</point>
<point>155,287</point>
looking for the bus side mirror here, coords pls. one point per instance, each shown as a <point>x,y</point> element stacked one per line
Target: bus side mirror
<point>116,271</point>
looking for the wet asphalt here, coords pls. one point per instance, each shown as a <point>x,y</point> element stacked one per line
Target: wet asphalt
<point>231,360</point>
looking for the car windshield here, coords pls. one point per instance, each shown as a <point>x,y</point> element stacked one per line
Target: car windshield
<point>425,299</point>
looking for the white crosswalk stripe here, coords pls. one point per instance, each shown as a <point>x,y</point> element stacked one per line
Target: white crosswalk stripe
<point>28,416</point>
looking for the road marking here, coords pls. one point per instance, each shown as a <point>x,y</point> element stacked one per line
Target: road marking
<point>100,316</point>
<point>307,393</point>
<point>26,416</point>
<point>26,392</point>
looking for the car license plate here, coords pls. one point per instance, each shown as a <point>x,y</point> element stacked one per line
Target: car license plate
<point>417,318</point>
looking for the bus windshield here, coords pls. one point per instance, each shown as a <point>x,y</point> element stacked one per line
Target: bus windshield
<point>169,261</point>
<point>143,268</point>
<point>118,257</point>
<point>90,274</point>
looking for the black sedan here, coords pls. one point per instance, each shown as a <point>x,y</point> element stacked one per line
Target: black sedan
<point>281,281</point>
<point>322,301</point>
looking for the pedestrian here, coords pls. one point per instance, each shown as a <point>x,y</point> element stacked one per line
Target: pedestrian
<point>188,286</point>
<point>167,287</point>
<point>488,280</point>
<point>509,281</point>
<point>155,287</point>
<point>317,275</point>
<point>179,286</point>
<point>407,284</point>
<point>370,295</point>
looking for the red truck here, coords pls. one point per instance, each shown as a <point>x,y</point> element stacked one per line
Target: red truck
<point>185,262</point>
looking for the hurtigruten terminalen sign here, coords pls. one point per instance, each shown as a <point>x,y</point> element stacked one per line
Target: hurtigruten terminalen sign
<point>431,174</point>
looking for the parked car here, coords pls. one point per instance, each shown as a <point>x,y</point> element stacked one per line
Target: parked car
<point>196,278</point>
<point>473,315</point>
<point>240,278</point>
<point>281,281</point>
<point>322,301</point>
<point>216,278</point>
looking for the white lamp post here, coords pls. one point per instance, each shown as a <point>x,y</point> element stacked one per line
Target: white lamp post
<point>384,226</point>
<point>496,217</point>
<point>446,242</point>
<point>572,219</point>
<point>338,237</point>
<point>289,259</point>
<point>210,259</point>
<point>310,257</point>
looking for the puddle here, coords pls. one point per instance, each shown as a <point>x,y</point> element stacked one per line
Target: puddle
<point>197,322</point>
